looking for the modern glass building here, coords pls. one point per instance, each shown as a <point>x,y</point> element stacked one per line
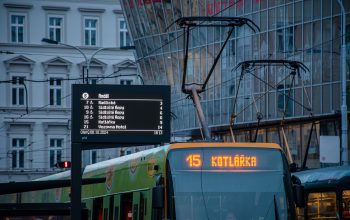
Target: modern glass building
<point>308,31</point>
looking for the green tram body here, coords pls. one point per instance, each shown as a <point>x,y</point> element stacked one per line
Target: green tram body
<point>131,180</point>
<point>132,174</point>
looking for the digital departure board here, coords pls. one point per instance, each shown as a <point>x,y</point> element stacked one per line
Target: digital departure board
<point>121,114</point>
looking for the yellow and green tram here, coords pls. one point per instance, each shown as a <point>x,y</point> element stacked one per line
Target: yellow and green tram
<point>202,181</point>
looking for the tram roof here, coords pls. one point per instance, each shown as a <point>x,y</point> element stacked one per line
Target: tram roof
<point>224,144</point>
<point>106,163</point>
<point>324,177</point>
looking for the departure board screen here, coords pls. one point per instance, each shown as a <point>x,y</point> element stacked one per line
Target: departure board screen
<point>126,114</point>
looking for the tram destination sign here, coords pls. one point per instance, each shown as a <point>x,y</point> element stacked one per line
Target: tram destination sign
<point>120,114</point>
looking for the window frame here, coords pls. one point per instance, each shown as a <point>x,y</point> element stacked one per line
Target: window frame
<point>93,80</point>
<point>55,88</point>
<point>18,149</point>
<point>93,156</point>
<point>97,30</point>
<point>55,150</point>
<point>25,27</point>
<point>127,82</point>
<point>62,27</point>
<point>345,195</point>
<point>125,33</point>
<point>324,197</point>
<point>17,86</point>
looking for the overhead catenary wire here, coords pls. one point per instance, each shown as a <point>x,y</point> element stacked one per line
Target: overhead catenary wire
<point>167,43</point>
<point>129,64</point>
<point>208,88</point>
<point>295,53</point>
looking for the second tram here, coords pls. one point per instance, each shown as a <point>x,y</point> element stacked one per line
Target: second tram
<point>327,193</point>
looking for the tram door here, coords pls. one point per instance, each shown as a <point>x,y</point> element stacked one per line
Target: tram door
<point>97,208</point>
<point>88,205</point>
<point>145,206</point>
<point>116,204</point>
<point>135,205</point>
<point>108,202</point>
<point>126,206</point>
<point>139,210</point>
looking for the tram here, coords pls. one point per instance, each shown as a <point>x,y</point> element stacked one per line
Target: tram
<point>184,181</point>
<point>327,193</point>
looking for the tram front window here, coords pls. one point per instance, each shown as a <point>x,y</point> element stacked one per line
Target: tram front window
<point>227,183</point>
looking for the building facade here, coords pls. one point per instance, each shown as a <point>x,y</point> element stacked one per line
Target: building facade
<point>308,31</point>
<point>36,77</point>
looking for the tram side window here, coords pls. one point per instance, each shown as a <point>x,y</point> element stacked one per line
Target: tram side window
<point>300,213</point>
<point>346,204</point>
<point>322,205</point>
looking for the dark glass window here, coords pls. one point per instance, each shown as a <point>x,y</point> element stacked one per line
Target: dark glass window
<point>17,28</point>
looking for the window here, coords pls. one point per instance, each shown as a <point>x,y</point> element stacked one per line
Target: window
<point>322,205</point>
<point>346,204</point>
<point>55,92</point>
<point>93,81</point>
<point>55,28</point>
<point>17,28</point>
<point>93,156</point>
<point>18,145</point>
<point>123,34</point>
<point>56,145</point>
<point>284,99</point>
<point>18,90</point>
<point>126,82</point>
<point>90,31</point>
<point>285,40</point>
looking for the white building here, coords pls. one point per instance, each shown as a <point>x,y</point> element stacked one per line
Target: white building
<point>36,77</point>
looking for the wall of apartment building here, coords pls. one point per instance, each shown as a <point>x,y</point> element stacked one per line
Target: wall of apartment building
<point>36,77</point>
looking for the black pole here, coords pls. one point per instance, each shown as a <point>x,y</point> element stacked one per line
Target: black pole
<point>308,146</point>
<point>217,59</point>
<point>83,72</point>
<point>259,117</point>
<point>186,42</point>
<point>87,75</point>
<point>76,182</point>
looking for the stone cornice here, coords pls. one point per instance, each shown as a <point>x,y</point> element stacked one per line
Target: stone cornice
<point>92,10</point>
<point>18,6</point>
<point>117,11</point>
<point>55,8</point>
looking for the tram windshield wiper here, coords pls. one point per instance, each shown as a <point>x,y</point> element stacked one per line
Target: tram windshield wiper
<point>275,207</point>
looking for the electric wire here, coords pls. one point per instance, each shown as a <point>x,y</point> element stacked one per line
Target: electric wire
<point>295,53</point>
<point>219,84</point>
<point>127,66</point>
<point>209,88</point>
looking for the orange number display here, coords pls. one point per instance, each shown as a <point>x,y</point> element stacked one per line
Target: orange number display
<point>194,160</point>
